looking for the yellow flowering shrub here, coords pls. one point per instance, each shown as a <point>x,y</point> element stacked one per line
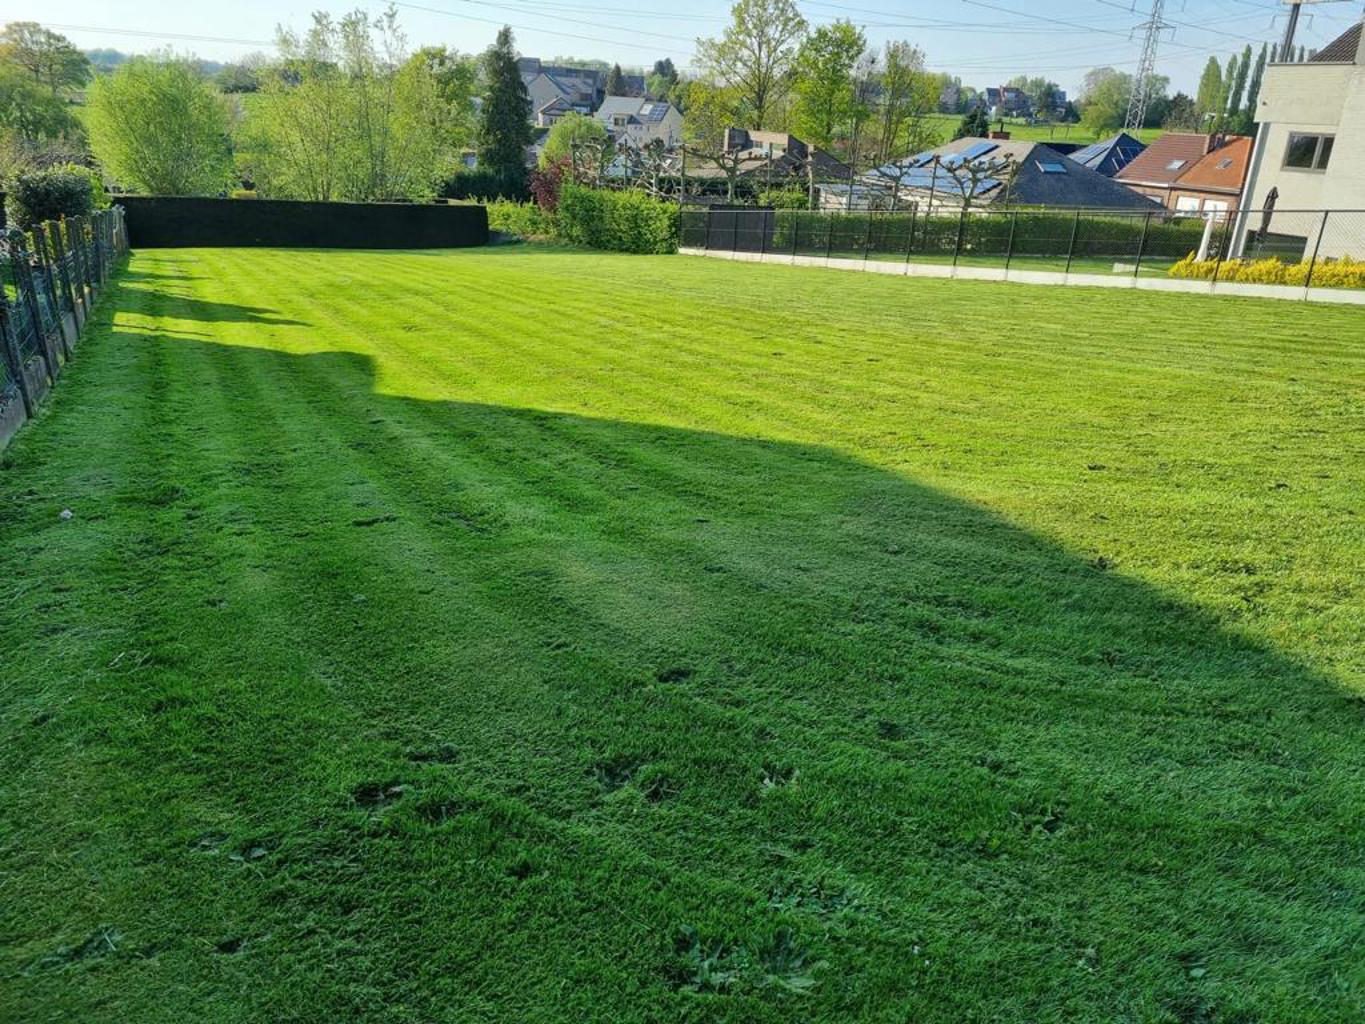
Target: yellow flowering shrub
<point>1341,272</point>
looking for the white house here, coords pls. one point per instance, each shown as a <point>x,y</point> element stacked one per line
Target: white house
<point>641,121</point>
<point>1310,150</point>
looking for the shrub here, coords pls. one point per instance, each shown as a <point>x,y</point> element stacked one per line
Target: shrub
<point>1343,272</point>
<point>791,198</point>
<point>526,220</point>
<point>485,183</point>
<point>620,221</point>
<point>70,191</point>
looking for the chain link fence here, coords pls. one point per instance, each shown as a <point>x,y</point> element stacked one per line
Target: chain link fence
<point>1302,248</point>
<point>50,276</point>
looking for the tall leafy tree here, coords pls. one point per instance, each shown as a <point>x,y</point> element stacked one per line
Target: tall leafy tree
<point>29,112</point>
<point>616,81</point>
<point>1254,88</point>
<point>505,122</point>
<point>753,58</point>
<point>1106,103</point>
<point>907,95</point>
<point>52,59</point>
<point>1209,98</point>
<point>1239,82</point>
<point>824,89</point>
<point>569,132</point>
<point>1182,115</point>
<point>158,126</point>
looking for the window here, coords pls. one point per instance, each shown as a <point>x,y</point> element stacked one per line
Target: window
<point>1050,167</point>
<point>1308,152</point>
<point>1225,163</point>
<point>1187,204</point>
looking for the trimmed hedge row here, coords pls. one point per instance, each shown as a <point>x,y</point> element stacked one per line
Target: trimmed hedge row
<point>620,221</point>
<point>1035,233</point>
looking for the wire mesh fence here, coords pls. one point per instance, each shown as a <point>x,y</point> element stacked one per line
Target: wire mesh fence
<point>49,278</point>
<point>1302,248</point>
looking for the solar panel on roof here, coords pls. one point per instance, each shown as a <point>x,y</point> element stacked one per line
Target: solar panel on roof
<point>978,149</point>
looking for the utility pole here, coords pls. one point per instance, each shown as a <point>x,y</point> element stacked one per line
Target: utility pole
<point>1142,81</point>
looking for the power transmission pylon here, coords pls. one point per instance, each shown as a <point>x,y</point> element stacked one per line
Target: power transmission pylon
<point>1142,81</point>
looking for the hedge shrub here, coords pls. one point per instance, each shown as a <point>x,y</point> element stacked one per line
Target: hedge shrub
<point>1343,272</point>
<point>1036,233</point>
<point>526,220</point>
<point>70,191</point>
<point>620,221</point>
<point>482,183</point>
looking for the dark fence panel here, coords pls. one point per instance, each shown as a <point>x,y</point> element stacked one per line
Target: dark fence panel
<point>171,221</point>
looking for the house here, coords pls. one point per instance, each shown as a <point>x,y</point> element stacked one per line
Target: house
<point>935,178</point>
<point>950,98</point>
<point>780,153</point>
<point>547,115</point>
<point>1214,184</point>
<point>1158,171</point>
<point>1108,156</point>
<point>640,121</point>
<point>1007,101</point>
<point>1310,147</point>
<point>580,88</point>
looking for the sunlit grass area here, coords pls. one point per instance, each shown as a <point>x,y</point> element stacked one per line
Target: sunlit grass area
<point>535,635</point>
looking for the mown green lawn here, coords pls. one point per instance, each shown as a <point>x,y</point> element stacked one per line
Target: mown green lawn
<point>946,124</point>
<point>537,636</point>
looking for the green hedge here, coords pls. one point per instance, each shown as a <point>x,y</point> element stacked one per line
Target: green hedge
<point>526,220</point>
<point>52,194</point>
<point>1036,233</point>
<point>621,221</point>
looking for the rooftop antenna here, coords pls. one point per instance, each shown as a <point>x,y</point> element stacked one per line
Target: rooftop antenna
<point>1142,82</point>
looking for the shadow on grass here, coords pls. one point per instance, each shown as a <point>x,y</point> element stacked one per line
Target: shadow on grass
<point>135,285</point>
<point>807,712</point>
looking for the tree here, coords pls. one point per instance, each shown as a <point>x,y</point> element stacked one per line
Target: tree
<point>1041,92</point>
<point>1106,103</point>
<point>505,122</point>
<point>908,94</point>
<point>52,59</point>
<point>616,81</point>
<point>664,69</point>
<point>156,125</point>
<point>568,133</point>
<point>975,124</point>
<point>1209,98</point>
<point>753,58</point>
<point>1094,79</point>
<point>1239,83</point>
<point>454,77</point>
<point>29,112</point>
<point>1254,92</point>
<point>1182,114</point>
<point>824,81</point>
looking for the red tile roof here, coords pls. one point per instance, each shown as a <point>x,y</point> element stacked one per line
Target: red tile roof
<point>1156,165</point>
<point>1222,170</point>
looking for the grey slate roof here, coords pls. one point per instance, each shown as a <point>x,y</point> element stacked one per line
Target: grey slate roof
<point>1343,48</point>
<point>1109,156</point>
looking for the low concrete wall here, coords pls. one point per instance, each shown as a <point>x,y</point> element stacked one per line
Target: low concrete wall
<point>1344,296</point>
<point>156,222</point>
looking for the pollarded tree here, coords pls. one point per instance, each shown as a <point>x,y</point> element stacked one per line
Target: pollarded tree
<point>824,81</point>
<point>157,125</point>
<point>51,59</point>
<point>505,122</point>
<point>753,58</point>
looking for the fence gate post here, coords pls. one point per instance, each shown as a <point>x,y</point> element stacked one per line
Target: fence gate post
<point>1312,264</point>
<point>49,273</point>
<point>1071,246</point>
<point>14,359</point>
<point>1009,243</point>
<point>961,223</point>
<point>1142,242</point>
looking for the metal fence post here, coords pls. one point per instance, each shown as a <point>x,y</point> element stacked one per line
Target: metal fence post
<point>910,241</point>
<point>706,241</point>
<point>1071,246</point>
<point>50,285</point>
<point>763,234</point>
<point>829,235</point>
<point>1009,242</point>
<point>1312,264</point>
<point>13,357</point>
<point>867,239</point>
<point>1142,242</point>
<point>961,224</point>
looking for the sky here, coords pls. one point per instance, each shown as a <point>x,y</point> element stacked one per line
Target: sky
<point>983,41</point>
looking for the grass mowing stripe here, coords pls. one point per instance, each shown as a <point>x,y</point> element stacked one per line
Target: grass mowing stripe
<point>745,682</point>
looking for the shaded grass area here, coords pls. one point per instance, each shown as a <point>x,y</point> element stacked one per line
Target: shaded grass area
<point>535,635</point>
